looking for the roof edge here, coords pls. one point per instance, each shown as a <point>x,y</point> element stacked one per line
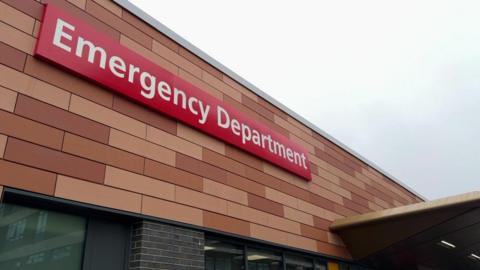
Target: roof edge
<point>204,56</point>
<point>407,210</point>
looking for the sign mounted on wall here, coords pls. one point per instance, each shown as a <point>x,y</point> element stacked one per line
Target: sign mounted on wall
<point>73,44</point>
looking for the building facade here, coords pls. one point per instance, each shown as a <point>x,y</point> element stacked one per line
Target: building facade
<point>92,179</point>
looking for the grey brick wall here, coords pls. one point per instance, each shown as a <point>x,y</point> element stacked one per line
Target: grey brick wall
<point>161,246</point>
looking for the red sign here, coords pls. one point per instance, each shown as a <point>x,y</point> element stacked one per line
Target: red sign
<point>78,47</point>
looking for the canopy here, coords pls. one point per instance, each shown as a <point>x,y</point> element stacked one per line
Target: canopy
<point>440,234</point>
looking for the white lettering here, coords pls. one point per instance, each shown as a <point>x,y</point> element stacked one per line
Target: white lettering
<point>304,163</point>
<point>131,72</point>
<point>148,91</point>
<point>164,90</point>
<point>64,39</point>
<point>289,154</point>
<point>179,93</point>
<point>203,112</point>
<point>236,127</point>
<point>57,38</point>
<point>92,50</point>
<point>256,137</point>
<point>246,133</point>
<point>117,64</point>
<point>222,112</point>
<point>191,100</point>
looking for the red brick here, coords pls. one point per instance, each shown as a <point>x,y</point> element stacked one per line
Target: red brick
<point>170,210</point>
<point>355,207</point>
<point>295,191</point>
<point>16,38</point>
<point>198,167</point>
<point>19,127</point>
<point>79,3</point>
<point>274,126</point>
<point>12,57</point>
<point>243,157</point>
<point>321,201</point>
<point>313,233</point>
<point>200,200</point>
<point>56,117</point>
<point>173,175</point>
<point>8,99</point>
<point>68,81</point>
<point>273,108</point>
<point>388,192</point>
<point>94,21</point>
<point>379,194</point>
<point>334,162</point>
<point>313,168</point>
<point>139,184</point>
<point>143,114</point>
<point>333,250</point>
<point>92,193</point>
<point>223,162</point>
<point>354,189</point>
<point>265,179</point>
<point>30,7</point>
<point>226,224</point>
<point>265,205</point>
<point>225,192</point>
<point>117,23</point>
<point>344,211</point>
<point>27,178</point>
<point>99,152</point>
<point>242,108</point>
<point>110,6</point>
<point>359,200</point>
<point>321,223</point>
<point>201,63</point>
<point>54,161</point>
<point>245,184</point>
<point>147,29</point>
<point>256,107</point>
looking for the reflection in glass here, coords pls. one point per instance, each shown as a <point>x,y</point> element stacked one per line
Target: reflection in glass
<point>320,265</point>
<point>41,240</point>
<point>259,259</point>
<point>223,256</point>
<point>298,263</point>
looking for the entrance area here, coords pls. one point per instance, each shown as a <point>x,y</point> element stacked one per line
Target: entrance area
<point>43,233</point>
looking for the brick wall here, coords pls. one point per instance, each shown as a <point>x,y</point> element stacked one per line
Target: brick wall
<point>63,136</point>
<point>161,246</point>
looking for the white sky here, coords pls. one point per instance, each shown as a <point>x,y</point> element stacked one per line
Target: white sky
<point>397,81</point>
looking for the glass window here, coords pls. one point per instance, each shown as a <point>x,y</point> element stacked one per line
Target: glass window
<point>38,239</point>
<point>320,265</point>
<point>223,256</point>
<point>259,259</point>
<point>298,263</point>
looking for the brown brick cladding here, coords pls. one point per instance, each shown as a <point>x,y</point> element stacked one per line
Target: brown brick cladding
<point>66,137</point>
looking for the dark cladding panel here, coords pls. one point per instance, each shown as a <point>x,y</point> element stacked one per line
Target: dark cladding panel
<point>161,246</point>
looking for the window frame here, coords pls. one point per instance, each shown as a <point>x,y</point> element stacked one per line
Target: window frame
<point>27,199</point>
<point>13,195</point>
<point>283,251</point>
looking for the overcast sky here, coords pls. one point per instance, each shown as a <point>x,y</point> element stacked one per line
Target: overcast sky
<point>397,81</point>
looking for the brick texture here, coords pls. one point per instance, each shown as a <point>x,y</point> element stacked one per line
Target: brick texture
<point>161,246</point>
<point>12,57</point>
<point>67,137</point>
<point>47,159</point>
<point>56,117</point>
